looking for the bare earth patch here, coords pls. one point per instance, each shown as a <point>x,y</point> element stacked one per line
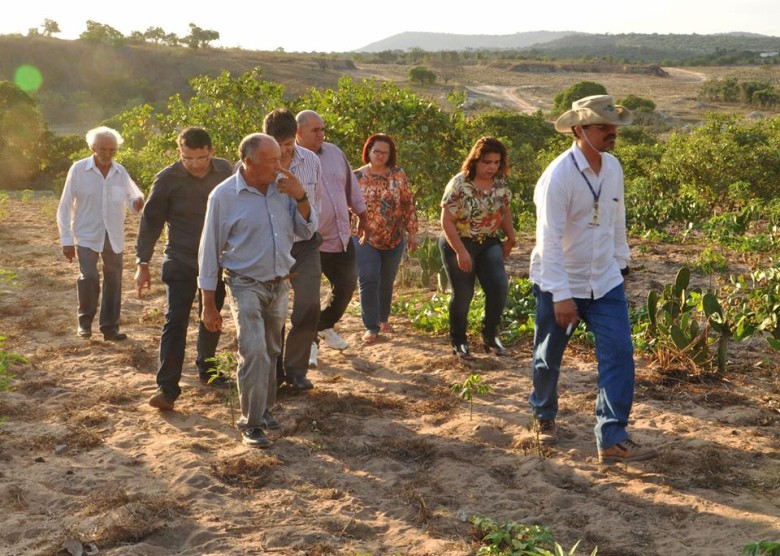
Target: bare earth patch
<point>380,458</point>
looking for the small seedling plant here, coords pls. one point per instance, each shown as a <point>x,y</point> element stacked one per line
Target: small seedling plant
<point>517,539</point>
<point>762,548</point>
<point>472,386</point>
<point>225,366</point>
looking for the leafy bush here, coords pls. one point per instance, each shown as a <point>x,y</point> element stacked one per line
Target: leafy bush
<point>563,100</point>
<point>517,539</point>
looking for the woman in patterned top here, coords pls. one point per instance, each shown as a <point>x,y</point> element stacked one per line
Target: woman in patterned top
<point>391,217</point>
<point>475,207</point>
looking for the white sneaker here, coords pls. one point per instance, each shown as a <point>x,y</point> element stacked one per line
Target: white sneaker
<point>313,356</point>
<point>333,340</point>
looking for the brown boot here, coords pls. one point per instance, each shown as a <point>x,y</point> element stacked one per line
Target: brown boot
<point>160,401</point>
<point>626,451</point>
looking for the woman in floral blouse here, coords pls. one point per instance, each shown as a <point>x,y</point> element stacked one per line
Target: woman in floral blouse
<point>391,217</point>
<point>475,208</point>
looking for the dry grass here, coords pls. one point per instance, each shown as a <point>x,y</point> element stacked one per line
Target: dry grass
<point>251,471</point>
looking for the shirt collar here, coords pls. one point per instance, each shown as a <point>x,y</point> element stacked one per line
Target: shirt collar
<point>241,185</point>
<point>92,166</point>
<point>579,156</point>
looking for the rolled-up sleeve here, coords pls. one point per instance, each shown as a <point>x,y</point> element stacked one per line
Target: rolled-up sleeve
<point>303,228</point>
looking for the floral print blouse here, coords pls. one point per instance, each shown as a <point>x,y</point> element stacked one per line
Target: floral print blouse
<point>390,206</point>
<point>478,215</point>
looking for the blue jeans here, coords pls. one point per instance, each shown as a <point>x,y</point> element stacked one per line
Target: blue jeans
<point>88,288</point>
<point>607,318</point>
<point>259,310</point>
<point>341,271</point>
<point>181,281</point>
<point>377,269</point>
<point>487,267</point>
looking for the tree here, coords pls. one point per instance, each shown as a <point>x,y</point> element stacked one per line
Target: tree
<point>199,37</point>
<point>421,75</point>
<point>448,64</point>
<point>21,129</point>
<point>562,101</point>
<point>50,27</point>
<point>99,32</point>
<point>637,104</point>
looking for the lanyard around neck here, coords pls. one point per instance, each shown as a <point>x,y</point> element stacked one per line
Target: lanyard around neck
<point>593,192</point>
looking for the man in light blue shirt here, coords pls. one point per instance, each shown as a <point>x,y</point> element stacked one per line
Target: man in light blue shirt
<point>251,221</point>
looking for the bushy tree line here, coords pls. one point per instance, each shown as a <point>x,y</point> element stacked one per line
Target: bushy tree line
<point>752,93</point>
<point>102,33</point>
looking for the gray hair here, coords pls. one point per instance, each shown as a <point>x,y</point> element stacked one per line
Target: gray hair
<point>251,144</point>
<point>103,131</point>
<point>304,116</point>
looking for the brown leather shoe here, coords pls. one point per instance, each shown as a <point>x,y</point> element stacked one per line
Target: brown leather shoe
<point>626,451</point>
<point>161,402</point>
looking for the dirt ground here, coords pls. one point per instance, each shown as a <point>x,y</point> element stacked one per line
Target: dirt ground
<point>380,458</point>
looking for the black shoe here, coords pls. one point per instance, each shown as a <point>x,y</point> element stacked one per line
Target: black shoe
<point>300,383</point>
<point>114,336</point>
<point>216,381</point>
<point>82,333</point>
<point>494,346</point>
<point>462,351</point>
<point>270,423</point>
<point>255,437</point>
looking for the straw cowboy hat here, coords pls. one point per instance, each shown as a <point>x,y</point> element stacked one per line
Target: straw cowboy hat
<point>597,109</point>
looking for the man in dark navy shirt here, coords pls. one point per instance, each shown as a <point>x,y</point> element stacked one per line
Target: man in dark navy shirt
<point>178,198</point>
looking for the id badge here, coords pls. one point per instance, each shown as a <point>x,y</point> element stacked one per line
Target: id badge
<point>594,219</point>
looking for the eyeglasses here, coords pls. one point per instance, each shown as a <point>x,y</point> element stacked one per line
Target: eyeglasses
<point>191,159</point>
<point>383,153</point>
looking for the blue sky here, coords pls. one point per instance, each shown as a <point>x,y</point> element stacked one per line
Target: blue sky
<point>339,26</point>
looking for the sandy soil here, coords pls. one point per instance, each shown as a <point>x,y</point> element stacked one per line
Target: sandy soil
<point>379,459</point>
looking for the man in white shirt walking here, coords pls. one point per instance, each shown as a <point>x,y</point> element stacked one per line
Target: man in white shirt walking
<point>91,221</point>
<point>577,267</point>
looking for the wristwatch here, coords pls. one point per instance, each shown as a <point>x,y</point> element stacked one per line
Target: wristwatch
<point>305,197</point>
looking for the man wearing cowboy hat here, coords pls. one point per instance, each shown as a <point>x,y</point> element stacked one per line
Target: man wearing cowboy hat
<point>577,267</point>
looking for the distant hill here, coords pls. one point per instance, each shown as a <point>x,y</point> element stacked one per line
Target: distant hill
<point>657,48</point>
<point>85,82</point>
<point>434,42</point>
<point>721,48</point>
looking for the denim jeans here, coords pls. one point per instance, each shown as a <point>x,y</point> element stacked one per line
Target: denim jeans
<point>88,288</point>
<point>376,274</point>
<point>341,272</point>
<point>487,267</point>
<point>305,283</point>
<point>607,318</point>
<point>181,281</point>
<point>259,310</point>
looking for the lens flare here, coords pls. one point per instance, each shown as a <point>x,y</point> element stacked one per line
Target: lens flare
<point>28,78</point>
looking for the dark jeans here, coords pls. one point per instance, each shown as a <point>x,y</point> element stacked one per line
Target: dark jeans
<point>182,286</point>
<point>341,271</point>
<point>88,288</point>
<point>377,269</point>
<point>488,267</point>
<point>305,283</point>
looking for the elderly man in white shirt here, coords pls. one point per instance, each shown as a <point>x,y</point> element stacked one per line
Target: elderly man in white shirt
<point>91,221</point>
<point>577,267</point>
